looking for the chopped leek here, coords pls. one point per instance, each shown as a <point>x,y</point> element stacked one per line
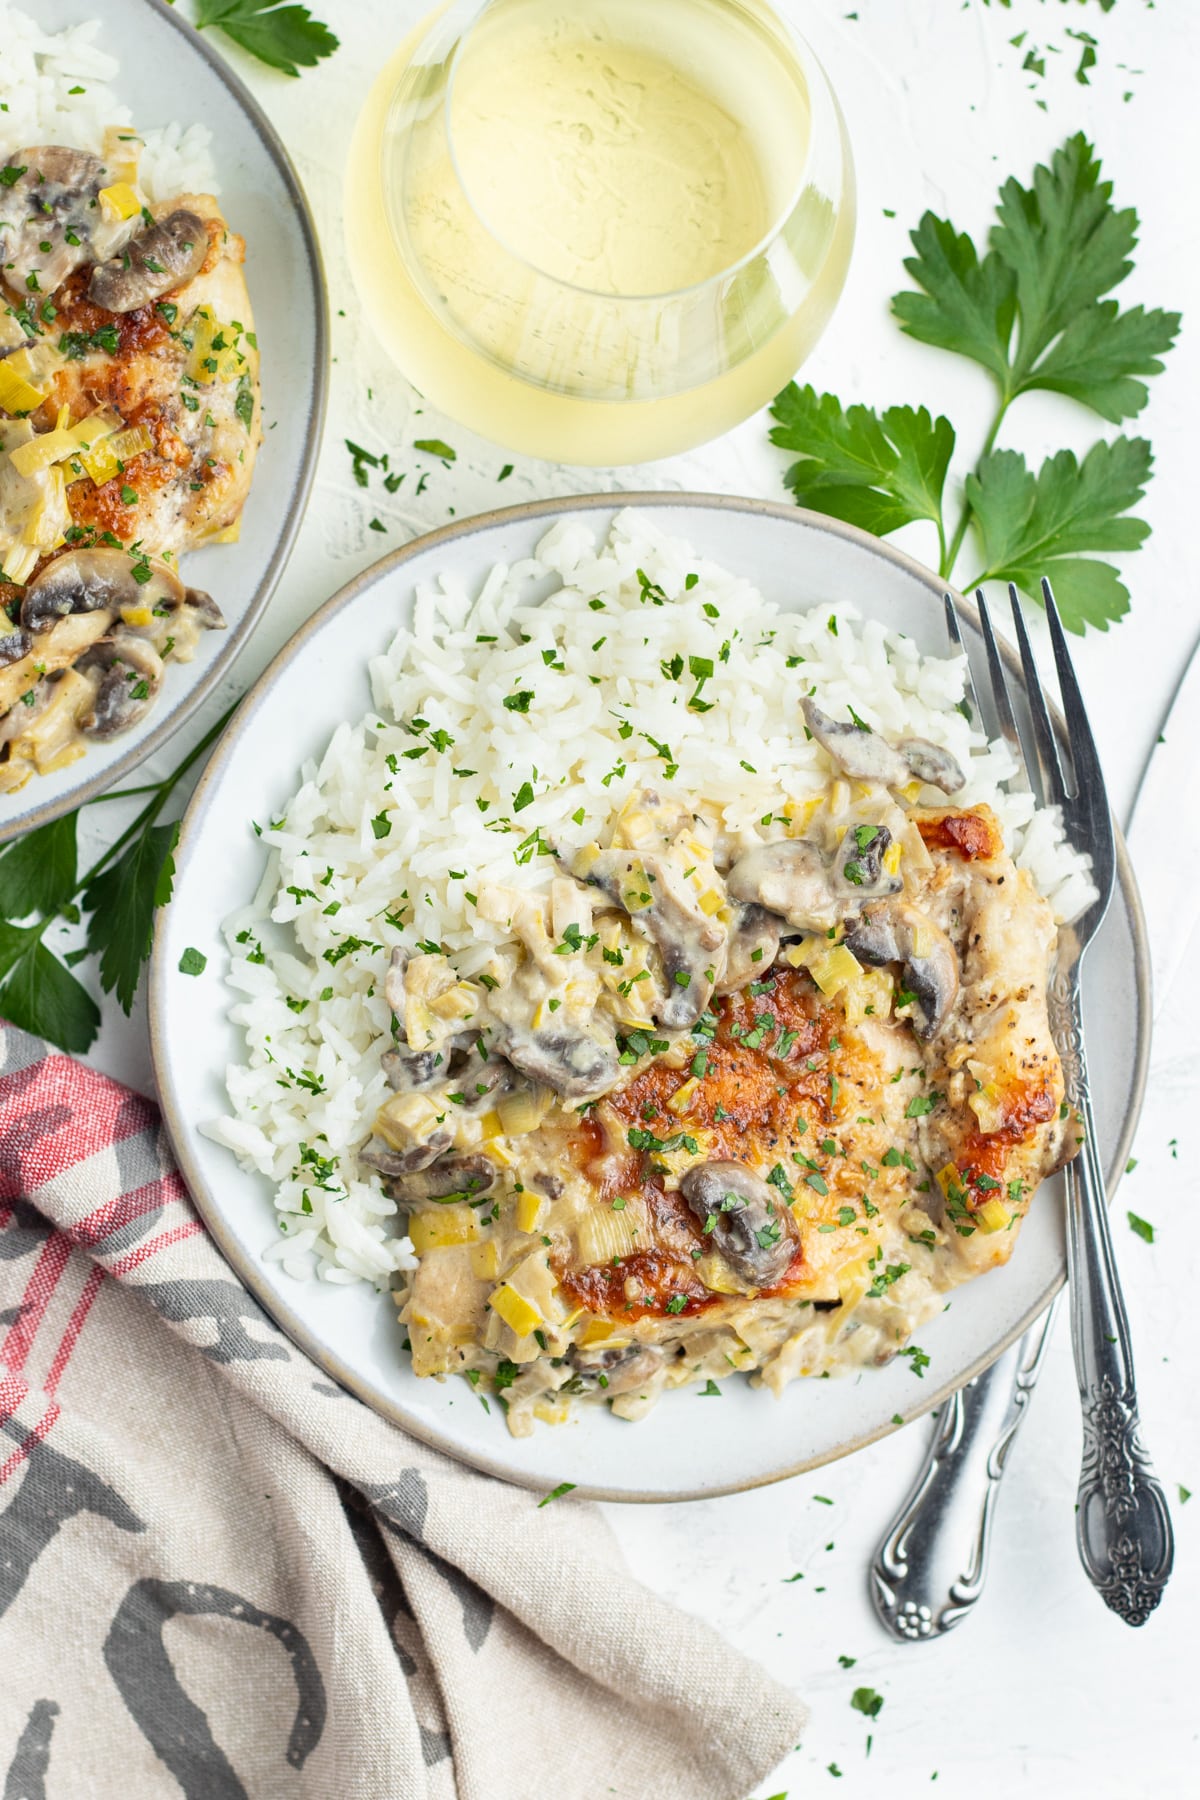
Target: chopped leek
<point>105,459</point>
<point>515,1310</point>
<point>16,394</point>
<point>450,1225</point>
<point>529,1211</point>
<point>119,202</point>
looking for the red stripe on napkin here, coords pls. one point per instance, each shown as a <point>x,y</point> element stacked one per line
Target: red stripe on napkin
<point>39,1291</point>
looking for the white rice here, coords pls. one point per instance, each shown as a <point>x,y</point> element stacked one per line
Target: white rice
<point>59,88</point>
<point>458,824</point>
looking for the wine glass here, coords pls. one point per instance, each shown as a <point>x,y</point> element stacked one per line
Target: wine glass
<point>600,231</point>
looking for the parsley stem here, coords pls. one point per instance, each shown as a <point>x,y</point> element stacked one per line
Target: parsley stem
<point>162,791</point>
<point>950,557</point>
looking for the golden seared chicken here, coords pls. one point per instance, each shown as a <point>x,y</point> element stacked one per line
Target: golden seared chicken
<point>130,423</point>
<point>729,1106</point>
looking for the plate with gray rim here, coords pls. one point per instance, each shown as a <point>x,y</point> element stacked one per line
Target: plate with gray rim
<point>170,71</point>
<point>319,678</point>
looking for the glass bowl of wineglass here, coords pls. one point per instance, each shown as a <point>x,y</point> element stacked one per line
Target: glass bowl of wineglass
<point>600,231</point>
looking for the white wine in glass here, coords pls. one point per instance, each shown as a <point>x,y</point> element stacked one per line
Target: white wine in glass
<point>600,231</point>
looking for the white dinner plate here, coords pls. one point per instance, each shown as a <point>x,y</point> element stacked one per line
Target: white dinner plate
<point>169,71</point>
<point>797,559</point>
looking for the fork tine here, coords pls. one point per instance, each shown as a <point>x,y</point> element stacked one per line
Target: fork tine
<point>1004,711</point>
<point>954,633</point>
<point>1088,818</point>
<point>1085,758</point>
<point>1054,786</point>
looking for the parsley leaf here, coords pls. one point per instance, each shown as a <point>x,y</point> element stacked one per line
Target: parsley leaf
<point>967,305</point>
<point>1034,525</point>
<point>1033,309</point>
<point>122,902</point>
<point>280,36</point>
<point>39,995</point>
<point>1142,1227</point>
<point>1056,250</point>
<point>37,872</point>
<point>877,472</point>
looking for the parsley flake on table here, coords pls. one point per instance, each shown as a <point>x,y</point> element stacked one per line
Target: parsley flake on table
<point>436,447</point>
<point>280,36</point>
<point>564,1487</point>
<point>866,1700</point>
<point>1141,1227</point>
<point>1033,310</point>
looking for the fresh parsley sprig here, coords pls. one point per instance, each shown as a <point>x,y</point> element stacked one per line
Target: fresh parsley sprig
<point>280,36</point>
<point>1033,312</point>
<point>40,885</point>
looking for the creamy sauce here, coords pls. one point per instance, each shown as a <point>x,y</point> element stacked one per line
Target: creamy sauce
<point>887,1119</point>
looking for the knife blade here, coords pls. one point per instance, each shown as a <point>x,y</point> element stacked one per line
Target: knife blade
<point>1165,852</point>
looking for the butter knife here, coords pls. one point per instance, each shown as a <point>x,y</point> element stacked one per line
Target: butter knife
<point>930,1567</point>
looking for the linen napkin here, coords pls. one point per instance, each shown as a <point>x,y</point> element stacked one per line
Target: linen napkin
<point>222,1576</point>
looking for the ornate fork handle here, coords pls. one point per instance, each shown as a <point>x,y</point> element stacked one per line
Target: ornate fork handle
<point>1122,1524</point>
<point>929,1569</point>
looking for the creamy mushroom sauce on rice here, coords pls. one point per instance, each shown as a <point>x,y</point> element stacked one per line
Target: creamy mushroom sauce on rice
<point>726,1065</point>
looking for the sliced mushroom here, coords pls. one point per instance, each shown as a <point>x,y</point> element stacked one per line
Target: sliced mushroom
<point>164,256</point>
<point>576,1065</point>
<point>51,220</point>
<point>860,861</point>
<point>82,581</point>
<point>13,646</point>
<point>407,1162</point>
<point>932,765</point>
<point>792,879</point>
<point>860,752</point>
<point>753,947</point>
<point>204,609</point>
<point>612,1370</point>
<point>747,1220</point>
<point>664,909</point>
<point>408,1071</point>
<point>133,673</point>
<point>450,1178</point>
<point>894,931</point>
<point>57,648</point>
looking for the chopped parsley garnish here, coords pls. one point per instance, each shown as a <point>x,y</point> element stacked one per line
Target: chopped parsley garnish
<point>866,1700</point>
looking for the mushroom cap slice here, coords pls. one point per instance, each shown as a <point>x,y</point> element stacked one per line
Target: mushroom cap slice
<point>53,201</point>
<point>747,1219</point>
<point>133,672</point>
<point>932,765</point>
<point>860,752</point>
<point>165,256</point>
<point>791,878</point>
<point>83,581</point>
<point>895,931</point>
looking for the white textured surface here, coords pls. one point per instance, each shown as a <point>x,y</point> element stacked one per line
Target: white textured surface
<point>1042,1692</point>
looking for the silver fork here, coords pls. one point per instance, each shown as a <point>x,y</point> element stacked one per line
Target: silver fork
<point>930,1566</point>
